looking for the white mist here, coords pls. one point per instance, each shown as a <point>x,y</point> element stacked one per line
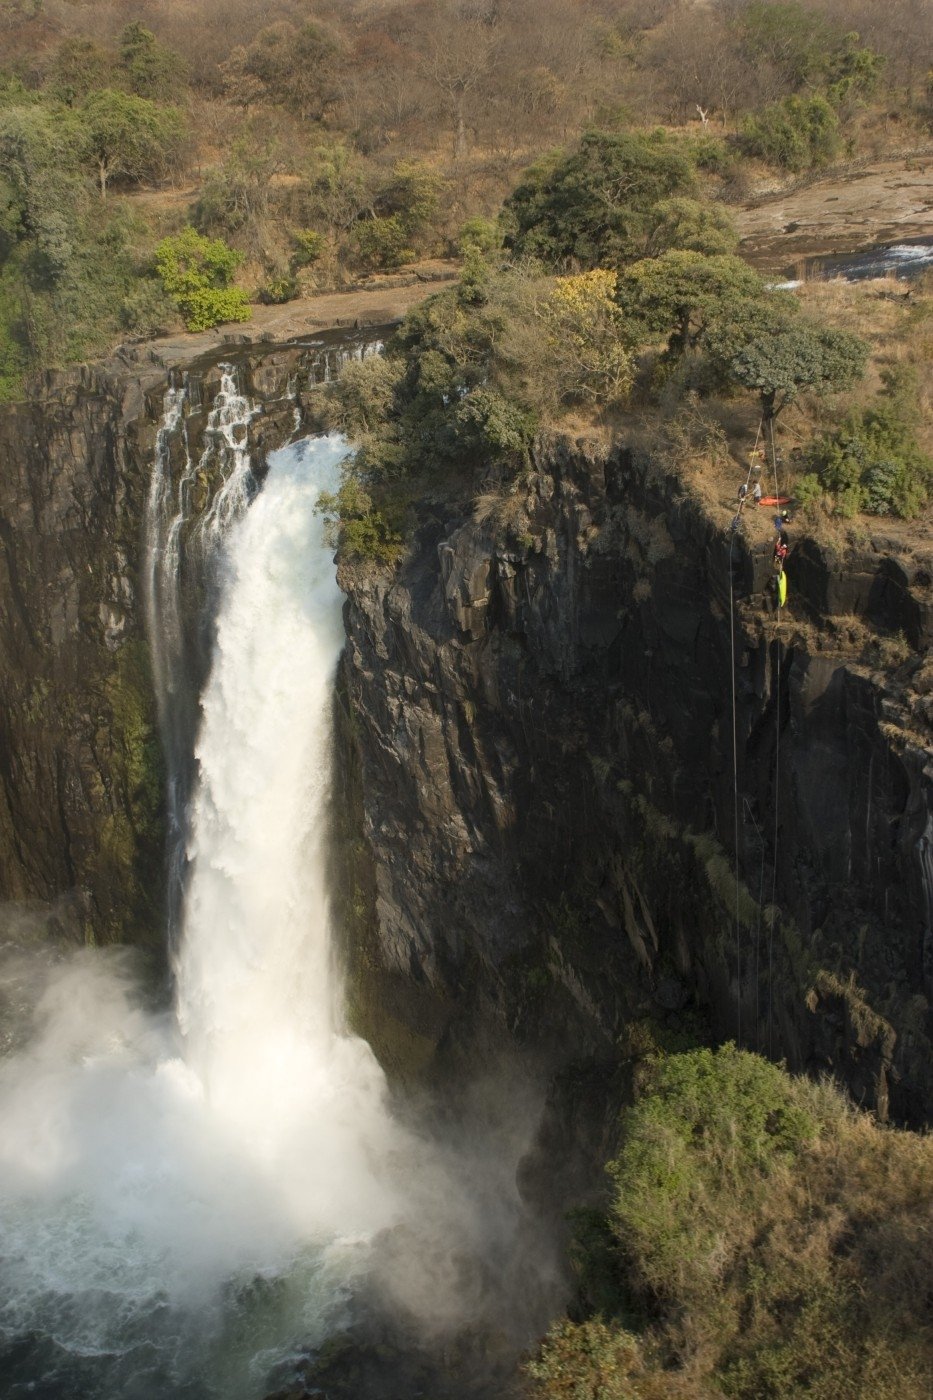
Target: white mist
<point>147,1164</point>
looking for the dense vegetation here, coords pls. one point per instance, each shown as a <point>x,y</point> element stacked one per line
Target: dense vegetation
<point>321,140</point>
<point>762,1240</point>
<point>474,372</point>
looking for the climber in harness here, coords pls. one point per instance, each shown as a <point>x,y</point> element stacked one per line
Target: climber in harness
<point>781,548</point>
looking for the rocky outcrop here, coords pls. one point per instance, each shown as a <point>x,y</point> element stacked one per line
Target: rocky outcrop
<point>541,703</point>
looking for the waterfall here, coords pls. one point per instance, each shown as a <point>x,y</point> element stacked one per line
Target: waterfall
<point>190,1198</point>
<point>170,1183</point>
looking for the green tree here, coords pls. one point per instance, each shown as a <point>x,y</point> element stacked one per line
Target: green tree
<point>129,137</point>
<point>296,68</point>
<point>197,273</point>
<point>78,69</point>
<point>799,133</point>
<point>797,358</point>
<point>594,206</point>
<point>693,224</point>
<point>41,189</point>
<point>690,297</point>
<point>152,69</point>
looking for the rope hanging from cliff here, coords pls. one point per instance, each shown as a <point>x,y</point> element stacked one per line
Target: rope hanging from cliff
<point>777,779</point>
<point>735,795</point>
<point>743,496</point>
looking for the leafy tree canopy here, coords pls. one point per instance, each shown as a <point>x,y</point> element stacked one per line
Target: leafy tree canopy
<point>197,273</point>
<point>41,190</point>
<point>78,67</point>
<point>692,224</point>
<point>293,67</point>
<point>152,69</point>
<point>798,133</point>
<point>796,358</point>
<point>129,137</point>
<point>594,206</point>
<point>696,299</point>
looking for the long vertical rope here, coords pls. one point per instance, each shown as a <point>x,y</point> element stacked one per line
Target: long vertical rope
<point>731,641</point>
<point>777,779</point>
<point>749,815</point>
<point>735,804</point>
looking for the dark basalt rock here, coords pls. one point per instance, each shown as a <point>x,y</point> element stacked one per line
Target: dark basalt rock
<point>81,780</point>
<point>538,747</point>
<point>542,719</point>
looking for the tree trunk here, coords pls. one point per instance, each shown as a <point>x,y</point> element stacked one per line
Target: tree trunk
<point>460,140</point>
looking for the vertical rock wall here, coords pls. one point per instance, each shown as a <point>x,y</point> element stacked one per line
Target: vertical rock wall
<point>81,773</point>
<point>541,707</point>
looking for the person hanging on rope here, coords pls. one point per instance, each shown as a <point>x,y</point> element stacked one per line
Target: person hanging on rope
<point>781,547</point>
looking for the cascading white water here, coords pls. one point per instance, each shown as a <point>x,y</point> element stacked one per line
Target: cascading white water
<point>150,1167</point>
<point>186,1197</point>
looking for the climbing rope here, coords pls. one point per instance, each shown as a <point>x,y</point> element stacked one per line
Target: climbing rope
<point>749,816</point>
<point>777,779</point>
<point>735,787</point>
<point>743,495</point>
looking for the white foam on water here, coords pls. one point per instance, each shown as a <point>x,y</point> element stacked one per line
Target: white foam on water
<point>149,1163</point>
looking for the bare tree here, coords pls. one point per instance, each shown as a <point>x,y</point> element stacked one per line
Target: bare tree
<point>459,55</point>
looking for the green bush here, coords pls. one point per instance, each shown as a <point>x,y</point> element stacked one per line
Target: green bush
<point>798,133</point>
<point>358,528</point>
<point>146,309</point>
<point>381,243</point>
<point>585,1361</point>
<point>770,1243</point>
<point>493,426</point>
<point>308,246</point>
<point>873,462</point>
<point>479,235</point>
<point>712,1124</point>
<point>278,290</point>
<point>197,273</point>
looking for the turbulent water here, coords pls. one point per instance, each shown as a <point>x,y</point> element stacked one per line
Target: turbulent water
<point>190,1200</point>
<point>185,1196</point>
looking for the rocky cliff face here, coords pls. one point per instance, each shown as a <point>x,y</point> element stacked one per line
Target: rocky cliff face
<point>541,706</point>
<point>81,773</point>
<point>537,716</point>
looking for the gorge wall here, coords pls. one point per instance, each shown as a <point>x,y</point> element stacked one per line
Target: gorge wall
<point>82,830</point>
<point>541,709</point>
<point>539,815</point>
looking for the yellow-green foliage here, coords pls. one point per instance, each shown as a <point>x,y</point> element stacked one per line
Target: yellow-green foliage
<point>587,330</point>
<point>766,1242</point>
